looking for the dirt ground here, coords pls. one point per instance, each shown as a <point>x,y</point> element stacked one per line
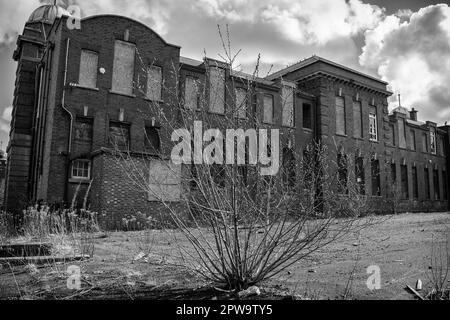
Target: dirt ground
<point>147,265</point>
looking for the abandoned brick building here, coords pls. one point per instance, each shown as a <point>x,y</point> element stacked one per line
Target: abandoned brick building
<point>76,89</point>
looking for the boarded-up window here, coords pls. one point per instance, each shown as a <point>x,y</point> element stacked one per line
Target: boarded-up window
<point>164,181</point>
<point>119,135</point>
<point>154,83</point>
<point>412,135</point>
<point>437,189</point>
<point>404,182</point>
<point>152,140</point>
<point>357,119</point>
<point>123,70</point>
<point>415,182</point>
<point>217,90</point>
<point>288,106</point>
<point>441,149</point>
<point>373,123</point>
<point>401,134</point>
<point>427,184</point>
<point>191,93</point>
<point>241,103</point>
<point>268,109</point>
<point>341,124</point>
<point>376,180</point>
<point>424,142</point>
<point>307,116</point>
<point>88,69</point>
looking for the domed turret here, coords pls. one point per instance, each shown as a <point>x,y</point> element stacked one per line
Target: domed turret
<point>47,14</point>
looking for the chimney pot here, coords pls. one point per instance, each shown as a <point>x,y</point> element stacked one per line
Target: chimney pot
<point>413,114</point>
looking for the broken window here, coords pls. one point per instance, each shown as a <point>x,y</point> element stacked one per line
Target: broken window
<point>164,181</point>
<point>123,68</point>
<point>88,69</point>
<point>288,106</point>
<point>433,141</point>
<point>217,90</point>
<point>268,109</point>
<point>373,124</point>
<point>357,119</point>
<point>154,83</point>
<point>341,124</point>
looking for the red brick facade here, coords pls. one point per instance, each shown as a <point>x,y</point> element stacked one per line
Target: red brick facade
<point>65,123</point>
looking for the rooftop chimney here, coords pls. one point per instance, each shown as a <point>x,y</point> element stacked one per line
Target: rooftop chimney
<point>413,114</point>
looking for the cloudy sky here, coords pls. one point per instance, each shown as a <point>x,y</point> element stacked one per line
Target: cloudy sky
<point>404,42</point>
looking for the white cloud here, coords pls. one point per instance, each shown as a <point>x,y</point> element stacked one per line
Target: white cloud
<point>414,57</point>
<point>5,120</point>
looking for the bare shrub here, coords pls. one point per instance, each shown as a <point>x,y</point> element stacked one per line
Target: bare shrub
<point>242,227</point>
<point>439,270</point>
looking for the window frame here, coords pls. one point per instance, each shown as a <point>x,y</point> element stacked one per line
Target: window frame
<point>373,127</point>
<point>240,112</point>
<point>80,178</point>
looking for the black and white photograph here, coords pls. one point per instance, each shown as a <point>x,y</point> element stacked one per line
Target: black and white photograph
<point>230,157</point>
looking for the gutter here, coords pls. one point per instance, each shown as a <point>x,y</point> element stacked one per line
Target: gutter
<point>63,105</point>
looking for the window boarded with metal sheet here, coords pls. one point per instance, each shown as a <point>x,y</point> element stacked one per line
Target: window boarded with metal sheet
<point>340,116</point>
<point>217,90</point>
<point>88,69</point>
<point>164,181</point>
<point>123,69</point>
<point>357,120</point>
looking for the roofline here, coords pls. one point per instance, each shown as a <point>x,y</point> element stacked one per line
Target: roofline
<point>132,20</point>
<point>315,59</point>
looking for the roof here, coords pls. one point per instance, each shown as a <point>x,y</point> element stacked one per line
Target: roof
<point>47,14</point>
<point>315,59</point>
<point>238,74</point>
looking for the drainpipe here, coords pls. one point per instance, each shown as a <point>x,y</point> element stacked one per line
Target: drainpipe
<point>63,104</point>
